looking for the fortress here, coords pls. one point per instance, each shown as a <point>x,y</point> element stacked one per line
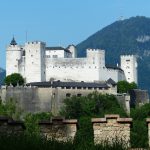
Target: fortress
<point>38,63</point>
<point>55,73</point>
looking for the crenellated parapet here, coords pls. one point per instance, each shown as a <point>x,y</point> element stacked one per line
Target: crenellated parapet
<point>112,129</point>
<point>59,128</point>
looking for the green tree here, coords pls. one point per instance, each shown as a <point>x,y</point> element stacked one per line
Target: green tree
<point>93,105</point>
<point>139,131</point>
<point>132,85</point>
<point>124,86</point>
<point>10,109</point>
<point>14,79</point>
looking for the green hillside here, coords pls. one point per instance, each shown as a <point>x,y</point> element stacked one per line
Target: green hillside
<point>129,36</point>
<point>2,75</point>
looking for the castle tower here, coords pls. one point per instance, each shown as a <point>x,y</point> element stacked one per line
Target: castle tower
<point>96,57</point>
<point>129,66</point>
<point>35,62</point>
<point>73,50</point>
<point>13,55</point>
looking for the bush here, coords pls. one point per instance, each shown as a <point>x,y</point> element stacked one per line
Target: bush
<point>14,79</point>
<point>124,86</point>
<point>9,109</point>
<point>92,105</point>
<point>31,122</point>
<point>86,107</point>
<point>139,132</point>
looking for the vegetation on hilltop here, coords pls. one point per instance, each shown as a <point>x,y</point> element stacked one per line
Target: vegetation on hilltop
<point>125,87</point>
<point>14,79</point>
<point>82,108</point>
<point>129,36</point>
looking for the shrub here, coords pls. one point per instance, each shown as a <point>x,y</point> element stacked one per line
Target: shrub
<point>14,79</point>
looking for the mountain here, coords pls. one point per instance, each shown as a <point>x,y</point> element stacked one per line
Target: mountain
<point>2,75</point>
<point>129,36</point>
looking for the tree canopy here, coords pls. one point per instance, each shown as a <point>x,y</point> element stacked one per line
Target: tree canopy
<point>94,104</point>
<point>14,79</point>
<point>124,86</point>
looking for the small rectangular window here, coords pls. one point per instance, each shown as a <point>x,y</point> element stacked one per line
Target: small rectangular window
<point>79,95</point>
<point>68,95</point>
<point>55,56</point>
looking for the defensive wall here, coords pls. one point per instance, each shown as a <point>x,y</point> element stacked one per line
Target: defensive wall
<point>62,129</point>
<point>110,128</point>
<point>57,128</point>
<point>47,99</point>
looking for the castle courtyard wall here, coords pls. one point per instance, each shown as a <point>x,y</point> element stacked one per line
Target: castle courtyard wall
<point>29,99</point>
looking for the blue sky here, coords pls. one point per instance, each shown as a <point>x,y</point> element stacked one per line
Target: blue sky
<point>61,22</point>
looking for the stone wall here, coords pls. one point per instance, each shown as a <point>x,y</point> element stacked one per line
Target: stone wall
<point>44,99</point>
<point>112,128</point>
<point>7,125</point>
<point>148,123</point>
<point>29,99</point>
<point>57,128</point>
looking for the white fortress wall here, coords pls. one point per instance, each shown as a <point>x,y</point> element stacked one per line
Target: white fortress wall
<point>105,74</point>
<point>55,53</point>
<point>67,69</point>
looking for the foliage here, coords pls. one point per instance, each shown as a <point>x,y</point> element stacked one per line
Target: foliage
<point>31,142</point>
<point>9,109</point>
<point>120,38</point>
<point>26,142</point>
<point>14,79</point>
<point>31,122</point>
<point>124,86</point>
<point>86,107</point>
<point>92,105</point>
<point>139,132</point>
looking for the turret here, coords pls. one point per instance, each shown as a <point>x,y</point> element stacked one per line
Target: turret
<point>73,50</point>
<point>96,57</point>
<point>129,66</point>
<point>13,55</point>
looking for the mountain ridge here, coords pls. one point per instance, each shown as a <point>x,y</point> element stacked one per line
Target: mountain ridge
<point>129,36</point>
<point>2,75</point>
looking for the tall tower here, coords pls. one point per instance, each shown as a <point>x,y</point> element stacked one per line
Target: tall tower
<point>35,62</point>
<point>129,66</point>
<point>13,55</point>
<point>96,57</point>
<point>73,50</point>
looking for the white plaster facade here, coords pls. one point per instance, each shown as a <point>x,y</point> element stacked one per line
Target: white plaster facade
<point>129,65</point>
<point>37,63</point>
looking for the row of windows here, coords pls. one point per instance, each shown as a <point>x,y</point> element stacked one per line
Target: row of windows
<point>89,88</point>
<point>49,56</point>
<point>69,95</point>
<point>67,67</point>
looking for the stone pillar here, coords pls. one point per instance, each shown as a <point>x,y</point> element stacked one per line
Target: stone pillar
<point>148,123</point>
<point>59,129</point>
<point>112,129</point>
<point>127,104</point>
